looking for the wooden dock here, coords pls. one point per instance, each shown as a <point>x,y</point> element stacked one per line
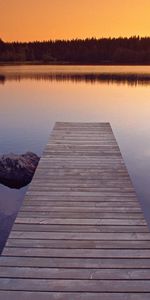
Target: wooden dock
<point>80,234</point>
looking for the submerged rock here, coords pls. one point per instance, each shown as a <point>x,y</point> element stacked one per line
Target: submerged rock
<point>17,171</point>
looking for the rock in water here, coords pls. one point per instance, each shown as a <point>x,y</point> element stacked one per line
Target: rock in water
<point>17,171</point>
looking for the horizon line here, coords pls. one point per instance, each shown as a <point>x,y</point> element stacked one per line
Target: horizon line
<point>78,39</point>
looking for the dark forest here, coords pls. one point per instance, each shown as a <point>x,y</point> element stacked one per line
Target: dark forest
<point>104,51</point>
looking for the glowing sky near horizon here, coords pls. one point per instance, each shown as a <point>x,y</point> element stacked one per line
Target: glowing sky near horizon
<point>66,19</point>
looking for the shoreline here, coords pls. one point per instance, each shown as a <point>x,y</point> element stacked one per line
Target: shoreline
<point>39,63</point>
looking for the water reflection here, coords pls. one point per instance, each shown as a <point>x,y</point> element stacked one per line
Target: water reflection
<point>132,79</point>
<point>2,78</point>
<point>33,98</point>
<point>10,203</point>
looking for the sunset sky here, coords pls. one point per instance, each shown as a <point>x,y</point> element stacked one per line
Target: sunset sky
<point>28,20</point>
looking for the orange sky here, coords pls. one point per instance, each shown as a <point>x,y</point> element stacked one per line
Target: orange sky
<point>28,20</point>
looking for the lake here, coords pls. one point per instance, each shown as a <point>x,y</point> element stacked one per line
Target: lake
<point>33,98</point>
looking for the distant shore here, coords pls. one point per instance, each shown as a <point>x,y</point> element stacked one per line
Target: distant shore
<point>103,51</point>
<point>61,63</point>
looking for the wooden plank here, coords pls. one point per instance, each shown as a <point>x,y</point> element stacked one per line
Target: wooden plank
<point>75,285</point>
<point>79,228</point>
<point>25,295</point>
<point>80,236</point>
<point>52,221</point>
<point>109,204</point>
<point>81,198</point>
<point>83,215</point>
<point>103,193</point>
<point>77,253</point>
<point>96,263</point>
<point>80,209</point>
<point>60,273</point>
<point>81,233</point>
<point>78,244</point>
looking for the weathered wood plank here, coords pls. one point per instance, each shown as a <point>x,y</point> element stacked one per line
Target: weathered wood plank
<point>60,273</point>
<point>25,295</point>
<point>80,236</point>
<point>77,253</point>
<point>103,193</point>
<point>78,244</point>
<point>75,285</point>
<point>52,221</point>
<point>80,209</point>
<point>78,204</point>
<point>79,228</point>
<point>83,215</point>
<point>108,198</point>
<point>96,263</point>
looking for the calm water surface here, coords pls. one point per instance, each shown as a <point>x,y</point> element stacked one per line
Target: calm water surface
<point>33,98</point>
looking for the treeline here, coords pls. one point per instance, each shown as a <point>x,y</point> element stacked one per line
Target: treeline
<point>133,50</point>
